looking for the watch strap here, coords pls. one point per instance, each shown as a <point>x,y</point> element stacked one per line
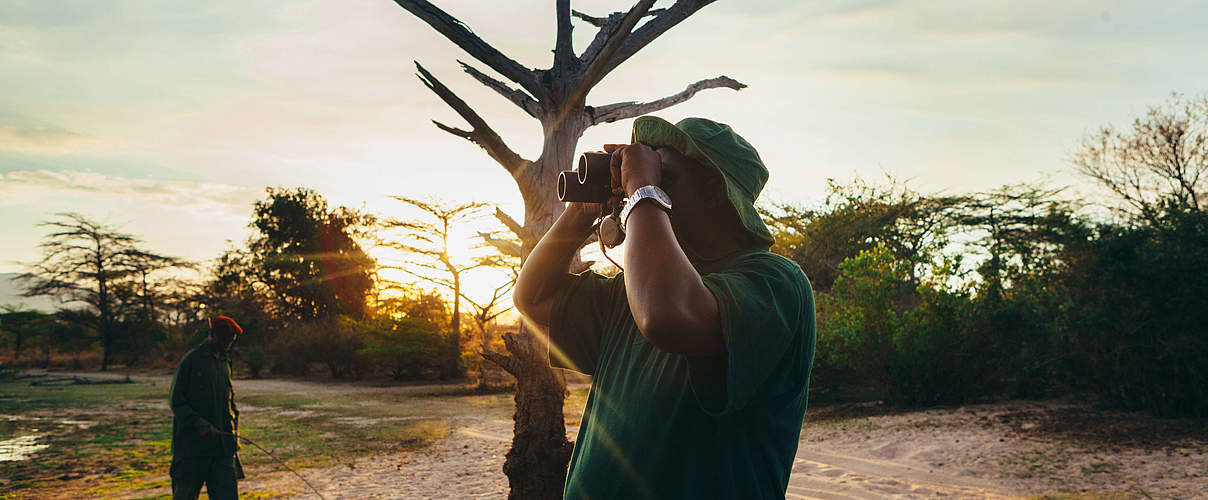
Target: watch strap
<point>649,192</point>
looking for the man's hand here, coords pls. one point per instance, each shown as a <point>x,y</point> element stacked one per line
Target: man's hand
<point>633,166</point>
<point>209,432</point>
<point>582,214</point>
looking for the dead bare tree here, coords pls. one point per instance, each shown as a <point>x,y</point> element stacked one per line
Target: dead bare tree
<point>536,464</point>
<point>1163,159</point>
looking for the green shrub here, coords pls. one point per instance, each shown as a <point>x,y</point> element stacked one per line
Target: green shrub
<point>1137,314</point>
<point>406,348</point>
<point>913,346</point>
<point>329,342</point>
<point>255,359</point>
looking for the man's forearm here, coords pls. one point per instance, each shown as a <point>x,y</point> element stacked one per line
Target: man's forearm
<point>669,301</point>
<point>546,266</point>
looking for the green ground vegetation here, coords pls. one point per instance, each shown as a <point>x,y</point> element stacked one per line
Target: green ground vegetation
<point>111,440</point>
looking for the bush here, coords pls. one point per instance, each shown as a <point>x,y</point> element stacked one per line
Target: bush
<point>255,359</point>
<point>860,319</point>
<point>1138,315</point>
<point>913,346</point>
<point>406,348</point>
<point>137,339</point>
<point>937,358</point>
<point>331,343</point>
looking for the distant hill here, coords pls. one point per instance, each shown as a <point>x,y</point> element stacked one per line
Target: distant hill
<point>10,295</point>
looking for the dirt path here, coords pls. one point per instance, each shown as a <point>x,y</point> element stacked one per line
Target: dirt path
<point>1001,450</point>
<point>468,465</point>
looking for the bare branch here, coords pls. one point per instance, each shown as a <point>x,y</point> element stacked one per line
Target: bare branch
<point>508,363</point>
<point>600,22</point>
<point>563,51</point>
<point>461,35</point>
<point>464,134</point>
<point>512,225</point>
<point>598,63</point>
<point>652,29</point>
<point>625,110</point>
<point>482,134</point>
<point>517,96</point>
<point>506,247</point>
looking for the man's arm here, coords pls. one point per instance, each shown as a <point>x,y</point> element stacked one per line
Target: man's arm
<point>545,269</point>
<point>669,301</point>
<point>234,409</point>
<point>179,398</point>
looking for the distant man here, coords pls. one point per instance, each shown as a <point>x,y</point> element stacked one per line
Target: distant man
<point>700,350</point>
<point>205,420</point>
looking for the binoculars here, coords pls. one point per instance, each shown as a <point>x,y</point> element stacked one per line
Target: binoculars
<point>591,182</point>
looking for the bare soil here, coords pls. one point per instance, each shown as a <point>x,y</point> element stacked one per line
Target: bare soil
<point>1000,450</point>
<point>1042,449</point>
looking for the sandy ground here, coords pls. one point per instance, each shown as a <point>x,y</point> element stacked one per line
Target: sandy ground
<point>860,451</point>
<point>1001,450</point>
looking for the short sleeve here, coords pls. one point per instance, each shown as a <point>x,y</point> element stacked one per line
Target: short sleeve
<point>579,320</point>
<point>766,309</point>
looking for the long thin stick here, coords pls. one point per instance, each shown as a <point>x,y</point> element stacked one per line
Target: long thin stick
<point>274,457</point>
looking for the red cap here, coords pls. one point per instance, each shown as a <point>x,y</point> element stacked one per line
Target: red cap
<point>225,324</point>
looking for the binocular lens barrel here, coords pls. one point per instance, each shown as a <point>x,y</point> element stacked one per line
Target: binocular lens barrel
<point>592,182</point>
<point>595,168</point>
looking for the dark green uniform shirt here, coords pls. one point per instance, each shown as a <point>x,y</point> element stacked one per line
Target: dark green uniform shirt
<point>202,395</point>
<point>668,426</point>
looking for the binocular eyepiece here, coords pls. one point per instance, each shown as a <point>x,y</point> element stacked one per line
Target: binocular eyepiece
<point>591,182</point>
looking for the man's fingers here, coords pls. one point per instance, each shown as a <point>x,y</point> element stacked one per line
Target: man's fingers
<point>618,153</point>
<point>608,148</point>
<point>613,202</point>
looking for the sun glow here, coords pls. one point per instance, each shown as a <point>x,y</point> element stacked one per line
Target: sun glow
<point>466,248</point>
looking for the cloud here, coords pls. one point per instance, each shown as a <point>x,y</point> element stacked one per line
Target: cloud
<point>46,140</point>
<point>23,185</point>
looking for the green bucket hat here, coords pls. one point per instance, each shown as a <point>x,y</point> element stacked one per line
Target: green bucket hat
<point>717,145</point>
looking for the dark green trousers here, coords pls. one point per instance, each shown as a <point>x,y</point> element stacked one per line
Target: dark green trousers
<point>219,474</point>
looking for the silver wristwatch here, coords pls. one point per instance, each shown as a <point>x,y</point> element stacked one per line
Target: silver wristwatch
<point>649,192</point>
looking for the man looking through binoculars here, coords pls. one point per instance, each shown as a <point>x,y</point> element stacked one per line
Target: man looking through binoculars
<point>700,350</point>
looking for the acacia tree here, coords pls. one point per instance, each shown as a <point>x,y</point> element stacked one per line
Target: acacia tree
<point>91,263</point>
<point>556,97</point>
<point>21,325</point>
<point>426,245</point>
<point>144,288</point>
<point>1019,229</point>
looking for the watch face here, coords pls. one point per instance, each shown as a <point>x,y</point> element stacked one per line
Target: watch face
<point>663,197</point>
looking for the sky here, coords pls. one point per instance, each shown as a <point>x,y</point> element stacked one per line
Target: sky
<point>168,119</point>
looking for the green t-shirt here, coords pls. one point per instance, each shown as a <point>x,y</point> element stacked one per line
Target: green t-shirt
<point>662,425</point>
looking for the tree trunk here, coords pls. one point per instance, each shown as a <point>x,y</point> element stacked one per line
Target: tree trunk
<point>536,463</point>
<point>452,366</point>
<point>106,347</point>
